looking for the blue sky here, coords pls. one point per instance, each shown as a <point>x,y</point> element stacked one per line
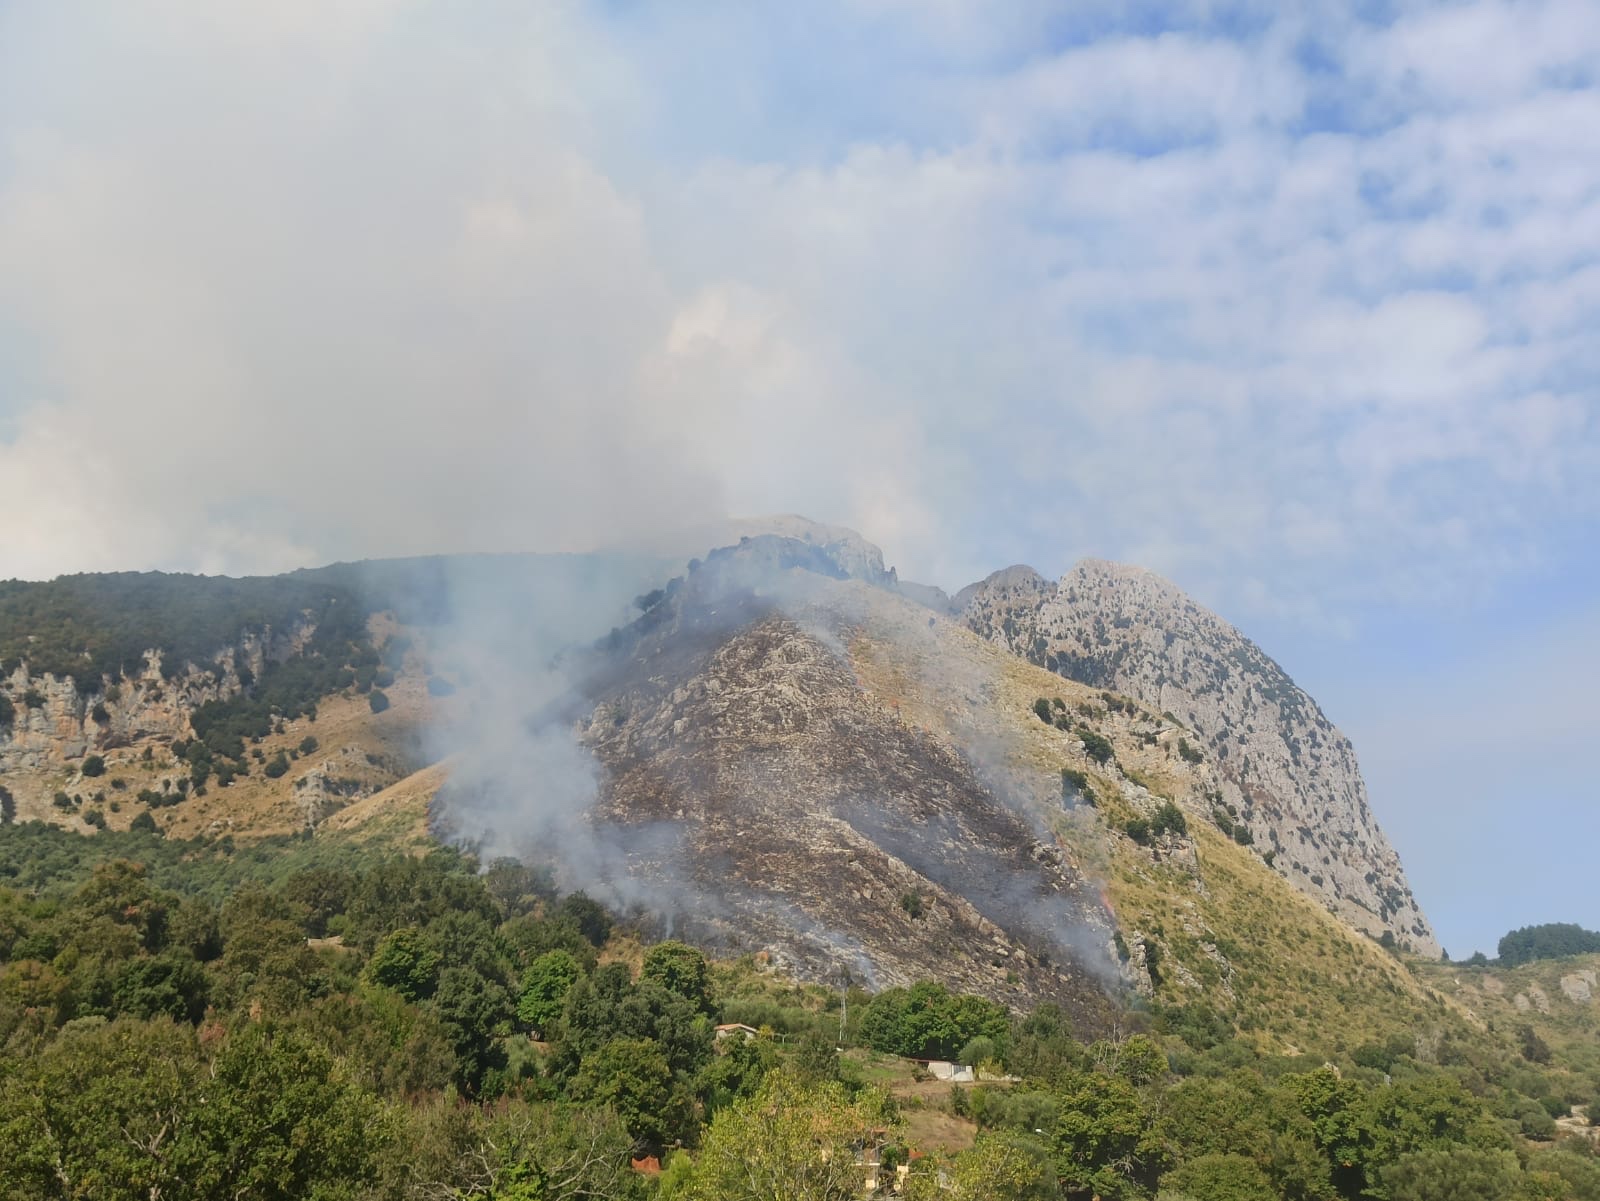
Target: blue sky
<point>1293,303</point>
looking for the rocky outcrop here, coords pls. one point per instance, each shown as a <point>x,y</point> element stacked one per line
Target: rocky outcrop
<point>1579,986</point>
<point>1292,776</point>
<point>806,820</point>
<point>340,780</point>
<point>56,724</point>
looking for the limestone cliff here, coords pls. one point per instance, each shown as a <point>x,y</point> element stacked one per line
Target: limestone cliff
<point>56,725</point>
<point>1291,774</point>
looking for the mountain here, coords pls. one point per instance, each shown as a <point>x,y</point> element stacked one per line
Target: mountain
<point>1289,773</point>
<point>783,750</point>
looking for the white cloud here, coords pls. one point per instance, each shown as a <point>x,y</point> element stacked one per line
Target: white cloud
<point>440,276</point>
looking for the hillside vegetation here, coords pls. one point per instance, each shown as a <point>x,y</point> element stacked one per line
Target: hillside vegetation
<point>253,974</point>
<point>314,1019</point>
<point>1554,940</point>
<point>93,626</point>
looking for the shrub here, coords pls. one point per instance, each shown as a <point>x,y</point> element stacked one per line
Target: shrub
<point>1041,709</point>
<point>1096,746</point>
<point>94,766</point>
<point>8,712</point>
<point>978,1051</point>
<point>377,701</point>
<point>276,766</point>
<point>1534,1048</point>
<point>1535,1123</point>
<point>1169,817</point>
<point>32,699</point>
<point>1555,1106</point>
<point>1138,829</point>
<point>1074,782</point>
<point>439,686</point>
<point>1188,753</point>
<point>308,745</point>
<point>912,903</point>
<point>144,822</point>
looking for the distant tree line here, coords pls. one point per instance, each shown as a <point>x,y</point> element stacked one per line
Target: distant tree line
<point>91,627</point>
<point>1553,940</point>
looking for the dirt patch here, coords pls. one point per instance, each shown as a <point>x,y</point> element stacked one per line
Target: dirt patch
<point>937,1130</point>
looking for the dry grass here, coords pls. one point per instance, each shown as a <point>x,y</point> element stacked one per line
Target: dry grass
<point>1234,934</point>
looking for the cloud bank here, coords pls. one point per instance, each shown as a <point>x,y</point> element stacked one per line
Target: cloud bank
<point>1293,305</point>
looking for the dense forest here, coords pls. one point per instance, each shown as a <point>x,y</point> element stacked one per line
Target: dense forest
<point>1555,940</point>
<point>91,627</point>
<point>308,1019</point>
<point>97,626</point>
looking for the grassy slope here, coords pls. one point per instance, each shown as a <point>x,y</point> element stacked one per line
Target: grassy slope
<point>1275,962</point>
<point>1231,931</point>
<point>376,750</point>
<point>1570,1027</point>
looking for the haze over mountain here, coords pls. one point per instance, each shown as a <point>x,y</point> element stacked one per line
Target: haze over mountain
<point>421,779</point>
<point>1261,298</point>
<point>784,748</point>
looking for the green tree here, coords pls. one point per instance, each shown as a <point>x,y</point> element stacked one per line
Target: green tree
<point>682,970</point>
<point>281,1122</point>
<point>101,1112</point>
<point>631,1077</point>
<point>738,1071</point>
<point>406,962</point>
<point>121,892</point>
<point>94,766</point>
<point>377,701</point>
<point>1220,1178</point>
<point>1002,1167</point>
<point>1341,1121</point>
<point>171,985</point>
<point>475,1013</point>
<point>1096,746</point>
<point>927,1022</point>
<point>1169,817</point>
<point>545,986</point>
<point>1453,1174</point>
<point>591,918</point>
<point>792,1141</point>
<point>1105,1140</point>
<point>1239,1115</point>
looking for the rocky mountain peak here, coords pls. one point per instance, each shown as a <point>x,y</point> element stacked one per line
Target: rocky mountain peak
<point>1289,771</point>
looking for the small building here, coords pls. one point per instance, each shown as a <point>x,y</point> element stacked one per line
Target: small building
<point>956,1073</point>
<point>736,1029</point>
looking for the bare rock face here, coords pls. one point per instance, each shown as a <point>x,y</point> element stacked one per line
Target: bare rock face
<point>347,776</point>
<point>1291,773</point>
<point>1579,986</point>
<point>759,792</point>
<point>57,722</point>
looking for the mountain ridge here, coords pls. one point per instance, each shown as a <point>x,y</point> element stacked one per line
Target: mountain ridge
<point>1291,774</point>
<point>861,630</point>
